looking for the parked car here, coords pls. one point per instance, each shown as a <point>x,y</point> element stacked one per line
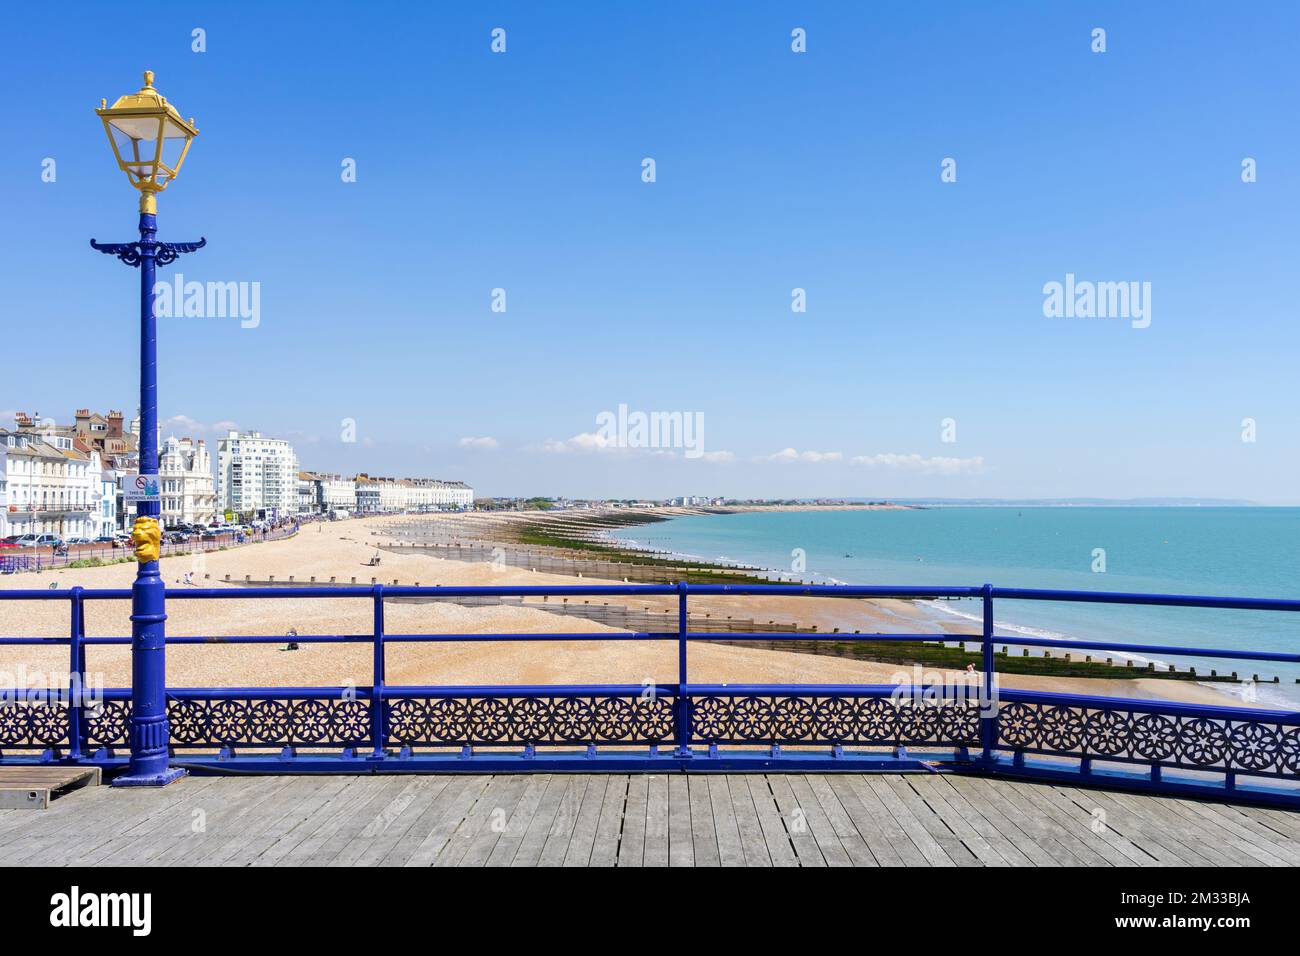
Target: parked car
<point>11,542</point>
<point>48,541</point>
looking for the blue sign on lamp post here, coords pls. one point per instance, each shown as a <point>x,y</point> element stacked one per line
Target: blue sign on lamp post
<point>150,140</point>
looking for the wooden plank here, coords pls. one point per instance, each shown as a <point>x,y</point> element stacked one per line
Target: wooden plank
<point>316,812</point>
<point>32,788</point>
<point>87,820</point>
<point>1075,826</point>
<point>921,837</point>
<point>480,848</point>
<point>1273,849</point>
<point>725,827</point>
<point>681,846</point>
<point>656,822</point>
<point>530,847</point>
<point>840,822</point>
<point>752,843</point>
<point>978,805</point>
<point>145,834</point>
<point>1132,825</point>
<point>445,823</point>
<point>940,831</point>
<point>1056,833</point>
<point>276,817</point>
<point>583,837</point>
<point>225,797</point>
<point>775,836</point>
<point>811,833</point>
<point>631,846</point>
<point>566,818</point>
<point>609,828</point>
<point>1043,831</point>
<point>485,820</point>
<point>1283,822</point>
<point>181,827</point>
<point>310,846</point>
<point>704,836</point>
<point>195,837</point>
<point>1183,838</point>
<point>989,852</point>
<point>872,820</point>
<point>507,845</point>
<point>376,837</point>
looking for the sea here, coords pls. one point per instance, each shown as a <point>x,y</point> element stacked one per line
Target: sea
<point>1234,551</point>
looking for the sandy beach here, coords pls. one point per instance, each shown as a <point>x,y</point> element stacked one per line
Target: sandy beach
<point>342,550</point>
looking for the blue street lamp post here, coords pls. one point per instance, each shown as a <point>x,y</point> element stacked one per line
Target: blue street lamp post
<point>150,141</point>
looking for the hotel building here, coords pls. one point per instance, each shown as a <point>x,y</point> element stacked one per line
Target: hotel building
<point>257,477</point>
<point>185,481</point>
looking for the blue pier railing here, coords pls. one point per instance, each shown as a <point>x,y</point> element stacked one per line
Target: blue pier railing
<point>964,725</point>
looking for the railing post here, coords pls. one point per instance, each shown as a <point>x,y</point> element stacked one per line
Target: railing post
<point>683,704</point>
<point>76,674</point>
<point>988,708</point>
<point>378,734</point>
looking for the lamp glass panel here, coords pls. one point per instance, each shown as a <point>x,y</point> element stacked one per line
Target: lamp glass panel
<point>136,139</point>
<point>173,145</point>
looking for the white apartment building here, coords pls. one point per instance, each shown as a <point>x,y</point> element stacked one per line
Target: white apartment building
<point>392,495</point>
<point>51,486</point>
<point>105,520</point>
<point>185,482</point>
<point>257,477</point>
<point>432,494</point>
<point>367,494</point>
<point>379,495</point>
<point>323,493</point>
<point>337,493</point>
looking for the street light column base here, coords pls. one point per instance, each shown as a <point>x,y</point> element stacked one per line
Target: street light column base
<point>161,779</point>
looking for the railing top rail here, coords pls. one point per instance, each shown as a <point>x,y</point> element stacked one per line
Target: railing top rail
<point>292,591</point>
<point>1155,600</point>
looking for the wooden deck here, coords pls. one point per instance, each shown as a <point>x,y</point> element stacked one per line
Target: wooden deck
<point>621,820</point>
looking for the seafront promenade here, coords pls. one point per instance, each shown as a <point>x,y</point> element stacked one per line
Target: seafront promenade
<point>939,820</point>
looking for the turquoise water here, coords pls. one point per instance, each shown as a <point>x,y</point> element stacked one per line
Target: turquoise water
<point>1243,552</point>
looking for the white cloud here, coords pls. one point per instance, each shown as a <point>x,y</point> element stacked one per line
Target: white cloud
<point>718,456</point>
<point>190,426</point>
<point>789,454</point>
<point>590,442</point>
<point>925,466</point>
<point>587,441</point>
<point>485,442</point>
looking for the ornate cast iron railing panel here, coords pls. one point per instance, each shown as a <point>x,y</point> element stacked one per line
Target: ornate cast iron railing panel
<point>1166,735</point>
<point>33,725</point>
<point>540,719</point>
<point>888,717</point>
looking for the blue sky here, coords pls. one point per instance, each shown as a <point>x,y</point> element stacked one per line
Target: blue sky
<point>774,170</point>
